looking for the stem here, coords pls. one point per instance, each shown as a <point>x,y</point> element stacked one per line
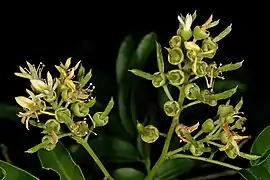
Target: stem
<point>206,160</point>
<point>164,150</point>
<point>191,104</point>
<point>167,92</point>
<point>94,156</point>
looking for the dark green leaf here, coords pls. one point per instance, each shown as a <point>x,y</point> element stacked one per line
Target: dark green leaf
<point>60,161</point>
<point>226,94</point>
<point>142,74</point>
<point>221,85</point>
<point>128,174</point>
<point>114,150</point>
<point>14,173</point>
<point>8,111</point>
<point>174,168</point>
<point>256,172</point>
<point>144,49</point>
<point>124,55</point>
<point>124,111</point>
<point>261,146</point>
<point>260,168</point>
<point>231,67</point>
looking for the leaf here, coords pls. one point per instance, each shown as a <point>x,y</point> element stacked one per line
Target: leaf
<point>260,168</point>
<point>11,172</point>
<point>221,85</point>
<point>223,34</point>
<point>142,74</point>
<point>173,168</point>
<point>9,111</point>
<point>231,67</point>
<point>144,49</point>
<point>160,60</point>
<point>124,55</point>
<point>128,173</point>
<point>261,146</point>
<point>114,150</point>
<point>124,112</point>
<point>60,161</point>
<point>226,94</point>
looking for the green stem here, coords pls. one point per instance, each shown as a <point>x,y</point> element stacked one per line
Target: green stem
<point>191,104</point>
<point>94,156</point>
<point>206,160</point>
<point>165,149</point>
<point>167,92</point>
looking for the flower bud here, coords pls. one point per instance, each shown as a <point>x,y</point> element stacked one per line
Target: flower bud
<point>176,56</point>
<point>175,42</point>
<point>224,137</point>
<point>80,128</point>
<point>159,79</point>
<point>207,98</point>
<point>186,34</point>
<point>48,142</point>
<point>229,119</point>
<point>52,125</point>
<point>209,48</point>
<point>99,120</point>
<point>140,128</point>
<point>80,109</point>
<point>200,34</point>
<point>225,110</point>
<point>150,134</point>
<point>176,77</point>
<point>171,108</point>
<point>208,126</point>
<point>192,46</point>
<point>231,152</point>
<point>63,115</point>
<point>196,151</point>
<point>192,91</point>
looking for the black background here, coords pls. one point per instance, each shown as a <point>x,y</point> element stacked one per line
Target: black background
<point>93,32</point>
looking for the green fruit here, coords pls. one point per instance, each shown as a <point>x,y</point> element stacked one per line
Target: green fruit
<point>208,125</point>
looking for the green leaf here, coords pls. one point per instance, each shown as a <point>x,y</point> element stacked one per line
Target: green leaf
<point>260,168</point>
<point>8,111</point>
<point>124,112</point>
<point>261,146</point>
<point>160,60</point>
<point>114,150</point>
<point>123,59</point>
<point>60,161</point>
<point>231,67</point>
<point>11,172</point>
<point>144,49</point>
<point>223,34</point>
<point>226,94</point>
<point>142,74</point>
<point>173,168</point>
<point>128,174</point>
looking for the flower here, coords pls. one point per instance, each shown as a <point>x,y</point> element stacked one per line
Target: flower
<point>186,22</point>
<point>233,139</point>
<point>31,72</point>
<point>32,106</point>
<point>183,131</point>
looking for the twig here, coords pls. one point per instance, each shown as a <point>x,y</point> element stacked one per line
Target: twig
<point>215,175</point>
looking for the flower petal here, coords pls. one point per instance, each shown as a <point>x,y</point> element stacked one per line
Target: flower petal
<point>24,102</point>
<point>39,85</point>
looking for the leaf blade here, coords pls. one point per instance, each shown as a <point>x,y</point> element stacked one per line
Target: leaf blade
<point>15,173</point>
<point>60,161</point>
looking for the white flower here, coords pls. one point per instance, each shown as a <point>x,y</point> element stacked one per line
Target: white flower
<point>186,22</point>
